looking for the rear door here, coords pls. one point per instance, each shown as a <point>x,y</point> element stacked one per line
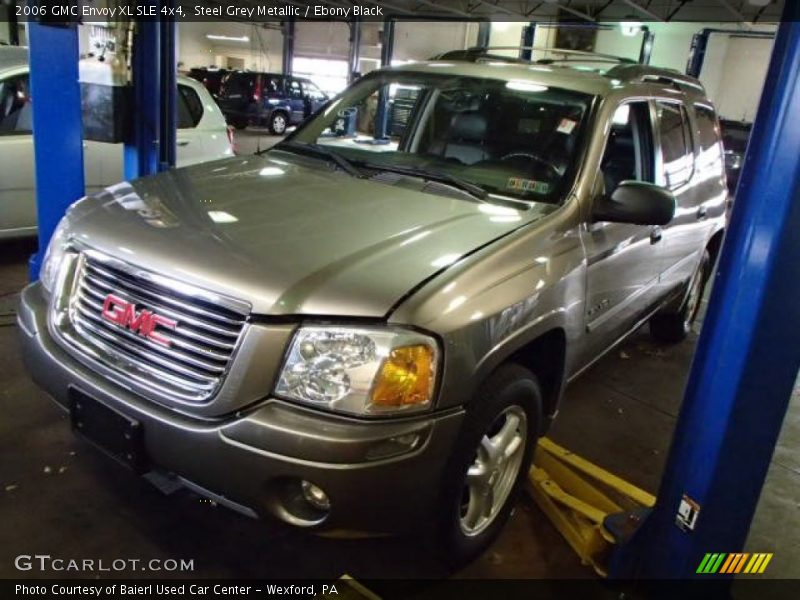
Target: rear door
<point>690,165</point>
<point>236,93</point>
<point>623,261</point>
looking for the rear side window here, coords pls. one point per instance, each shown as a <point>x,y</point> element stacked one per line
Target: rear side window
<point>272,84</point>
<point>709,137</point>
<point>676,144</point>
<point>238,84</point>
<point>190,107</point>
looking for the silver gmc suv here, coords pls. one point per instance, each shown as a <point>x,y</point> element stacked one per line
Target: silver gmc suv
<point>368,326</point>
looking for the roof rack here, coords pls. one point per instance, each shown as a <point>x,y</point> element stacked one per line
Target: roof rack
<point>646,73</point>
<point>477,53</point>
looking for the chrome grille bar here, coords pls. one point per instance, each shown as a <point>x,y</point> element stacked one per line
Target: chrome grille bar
<point>195,358</point>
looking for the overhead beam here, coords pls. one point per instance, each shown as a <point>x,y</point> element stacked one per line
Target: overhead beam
<point>734,12</point>
<point>642,10</point>
<point>443,7</point>
<point>394,7</point>
<point>572,11</point>
<point>502,9</point>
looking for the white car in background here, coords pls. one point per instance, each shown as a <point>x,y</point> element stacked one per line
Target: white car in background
<point>202,135</point>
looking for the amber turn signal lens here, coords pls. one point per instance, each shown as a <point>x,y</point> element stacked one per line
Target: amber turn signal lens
<point>406,377</point>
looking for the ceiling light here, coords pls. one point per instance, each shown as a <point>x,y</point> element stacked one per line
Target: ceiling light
<point>227,38</point>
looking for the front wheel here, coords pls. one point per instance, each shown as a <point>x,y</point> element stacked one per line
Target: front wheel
<point>490,462</point>
<point>673,327</point>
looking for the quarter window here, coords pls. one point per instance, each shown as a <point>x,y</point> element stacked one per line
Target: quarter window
<point>677,154</point>
<point>190,108</point>
<point>709,137</point>
<point>629,150</point>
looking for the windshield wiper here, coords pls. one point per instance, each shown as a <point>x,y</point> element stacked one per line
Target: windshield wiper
<point>472,189</point>
<point>320,151</point>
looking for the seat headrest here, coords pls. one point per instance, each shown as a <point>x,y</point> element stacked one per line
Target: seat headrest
<point>468,127</point>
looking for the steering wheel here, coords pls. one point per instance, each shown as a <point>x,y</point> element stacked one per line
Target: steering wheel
<point>539,159</point>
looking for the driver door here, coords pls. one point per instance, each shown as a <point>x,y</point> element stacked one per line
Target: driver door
<point>623,260</point>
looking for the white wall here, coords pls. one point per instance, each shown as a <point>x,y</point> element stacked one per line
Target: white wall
<point>741,78</point>
<point>733,72</point>
<point>262,53</point>
<point>420,40</point>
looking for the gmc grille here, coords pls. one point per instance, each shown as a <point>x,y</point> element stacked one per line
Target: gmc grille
<point>200,348</point>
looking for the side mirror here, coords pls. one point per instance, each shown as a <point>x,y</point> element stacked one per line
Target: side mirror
<point>636,203</point>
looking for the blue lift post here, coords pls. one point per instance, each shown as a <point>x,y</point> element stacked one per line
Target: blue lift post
<point>142,155</point>
<point>168,32</point>
<point>355,50</point>
<point>57,126</point>
<point>748,354</point>
<point>153,142</point>
<point>528,35</point>
<point>484,33</point>
<point>646,52</point>
<point>288,47</point>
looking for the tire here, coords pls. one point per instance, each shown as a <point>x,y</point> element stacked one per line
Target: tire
<point>278,123</point>
<point>509,400</point>
<point>673,327</point>
<point>239,123</point>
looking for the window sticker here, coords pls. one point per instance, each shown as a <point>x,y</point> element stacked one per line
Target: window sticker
<point>567,126</point>
<point>528,185</point>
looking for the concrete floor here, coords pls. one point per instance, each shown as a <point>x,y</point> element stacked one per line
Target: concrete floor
<point>60,497</point>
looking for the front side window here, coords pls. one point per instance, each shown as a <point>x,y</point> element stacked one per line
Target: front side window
<point>513,139</point>
<point>677,154</point>
<point>629,150</point>
<point>15,106</point>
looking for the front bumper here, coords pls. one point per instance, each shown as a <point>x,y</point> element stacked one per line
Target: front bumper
<point>251,459</point>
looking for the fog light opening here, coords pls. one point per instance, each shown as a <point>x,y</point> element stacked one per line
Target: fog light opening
<point>315,496</point>
<point>301,502</point>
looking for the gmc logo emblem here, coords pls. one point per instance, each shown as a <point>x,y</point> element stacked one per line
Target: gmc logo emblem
<point>123,313</point>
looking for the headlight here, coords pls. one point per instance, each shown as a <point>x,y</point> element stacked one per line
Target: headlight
<point>53,256</point>
<point>360,370</point>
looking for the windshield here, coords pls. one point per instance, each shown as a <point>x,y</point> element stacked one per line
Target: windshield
<point>513,139</point>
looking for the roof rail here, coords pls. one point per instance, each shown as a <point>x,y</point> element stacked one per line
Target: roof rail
<point>645,73</point>
<point>477,53</point>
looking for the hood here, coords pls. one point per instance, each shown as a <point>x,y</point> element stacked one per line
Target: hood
<point>288,234</point>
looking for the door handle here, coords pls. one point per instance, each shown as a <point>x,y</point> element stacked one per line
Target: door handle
<point>656,234</point>
<point>702,213</point>
<point>182,142</point>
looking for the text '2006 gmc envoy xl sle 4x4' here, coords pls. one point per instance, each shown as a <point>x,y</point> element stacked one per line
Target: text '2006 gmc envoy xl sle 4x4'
<point>367,327</point>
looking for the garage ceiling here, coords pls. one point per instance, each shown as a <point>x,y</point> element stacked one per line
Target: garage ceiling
<point>734,11</point>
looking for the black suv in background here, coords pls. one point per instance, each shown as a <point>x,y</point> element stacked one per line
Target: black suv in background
<point>211,78</point>
<point>268,99</point>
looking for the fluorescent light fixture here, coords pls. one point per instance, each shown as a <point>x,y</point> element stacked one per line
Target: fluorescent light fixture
<point>630,28</point>
<point>227,38</point>
<point>526,86</point>
<point>220,216</point>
